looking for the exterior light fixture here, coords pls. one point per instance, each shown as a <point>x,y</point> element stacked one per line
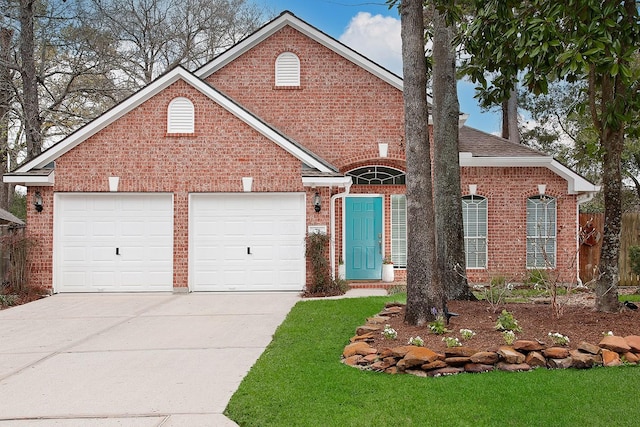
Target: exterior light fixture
<point>542,188</point>
<point>317,202</point>
<point>37,201</point>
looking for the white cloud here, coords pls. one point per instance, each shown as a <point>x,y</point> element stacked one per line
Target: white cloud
<point>377,37</point>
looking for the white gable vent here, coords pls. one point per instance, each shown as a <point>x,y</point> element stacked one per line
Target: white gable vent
<point>287,69</point>
<point>180,116</point>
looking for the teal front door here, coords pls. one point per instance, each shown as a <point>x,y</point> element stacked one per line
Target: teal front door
<point>363,238</point>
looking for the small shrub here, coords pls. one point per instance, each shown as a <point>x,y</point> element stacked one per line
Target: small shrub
<point>389,333</point>
<point>438,326</point>
<point>506,322</point>
<point>537,278</point>
<point>417,341</point>
<point>509,337</point>
<point>322,283</point>
<point>467,334</point>
<point>634,258</point>
<point>451,341</point>
<point>8,300</point>
<point>558,339</point>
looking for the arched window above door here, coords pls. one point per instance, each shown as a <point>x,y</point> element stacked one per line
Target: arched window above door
<point>377,175</point>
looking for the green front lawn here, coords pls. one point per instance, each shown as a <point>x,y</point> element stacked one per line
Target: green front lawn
<point>299,381</point>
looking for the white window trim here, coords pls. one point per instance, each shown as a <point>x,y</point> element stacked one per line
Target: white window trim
<point>486,237</point>
<point>180,116</point>
<point>547,266</point>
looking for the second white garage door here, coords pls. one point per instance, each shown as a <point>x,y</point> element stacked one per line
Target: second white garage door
<point>247,242</point>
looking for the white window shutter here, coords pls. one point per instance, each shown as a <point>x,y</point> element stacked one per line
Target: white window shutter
<point>180,116</point>
<point>287,69</point>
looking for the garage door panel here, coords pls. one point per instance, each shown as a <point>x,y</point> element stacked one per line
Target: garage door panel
<point>139,225</point>
<point>223,226</point>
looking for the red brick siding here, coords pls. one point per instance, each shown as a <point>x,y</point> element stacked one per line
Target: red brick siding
<point>340,111</point>
<point>507,191</point>
<point>136,148</point>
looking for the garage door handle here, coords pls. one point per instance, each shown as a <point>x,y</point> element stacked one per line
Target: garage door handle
<point>248,250</point>
<point>117,251</point>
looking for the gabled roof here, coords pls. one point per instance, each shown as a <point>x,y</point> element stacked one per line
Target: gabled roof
<point>33,172</point>
<point>288,18</point>
<point>481,149</point>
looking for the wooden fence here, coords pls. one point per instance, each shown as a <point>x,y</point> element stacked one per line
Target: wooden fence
<point>591,229</point>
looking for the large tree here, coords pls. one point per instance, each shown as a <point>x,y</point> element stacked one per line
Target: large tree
<point>446,161</point>
<point>596,41</point>
<point>425,293</point>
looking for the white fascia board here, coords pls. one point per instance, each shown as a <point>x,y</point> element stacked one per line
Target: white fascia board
<point>104,120</point>
<point>306,29</point>
<point>147,93</point>
<point>576,184</point>
<point>30,180</point>
<point>329,181</point>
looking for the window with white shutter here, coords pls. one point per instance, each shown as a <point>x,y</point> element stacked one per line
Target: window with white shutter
<point>287,69</point>
<point>180,116</point>
<point>399,230</point>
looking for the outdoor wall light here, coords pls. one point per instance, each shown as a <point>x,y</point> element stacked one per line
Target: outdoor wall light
<point>542,188</point>
<point>317,202</point>
<point>37,201</point>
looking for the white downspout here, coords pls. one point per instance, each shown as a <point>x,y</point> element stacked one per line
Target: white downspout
<point>332,246</point>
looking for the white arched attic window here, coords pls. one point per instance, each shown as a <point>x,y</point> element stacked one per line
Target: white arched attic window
<point>180,116</point>
<point>287,69</point>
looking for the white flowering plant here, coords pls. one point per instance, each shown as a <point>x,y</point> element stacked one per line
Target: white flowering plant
<point>451,341</point>
<point>467,334</point>
<point>389,333</point>
<point>558,339</point>
<point>417,341</point>
<point>608,334</point>
<point>509,337</point>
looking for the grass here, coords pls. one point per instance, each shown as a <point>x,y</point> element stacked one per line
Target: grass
<point>299,381</point>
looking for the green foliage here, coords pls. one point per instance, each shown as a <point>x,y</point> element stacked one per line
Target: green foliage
<point>506,322</point>
<point>438,326</point>
<point>634,257</point>
<point>8,300</point>
<point>537,277</point>
<point>322,282</point>
<point>303,360</point>
<point>19,206</point>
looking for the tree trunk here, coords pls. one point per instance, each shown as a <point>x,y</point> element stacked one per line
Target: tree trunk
<point>448,209</point>
<point>6,95</point>
<point>510,117</point>
<point>31,107</point>
<point>425,295</point>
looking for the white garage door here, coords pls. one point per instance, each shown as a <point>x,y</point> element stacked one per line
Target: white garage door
<point>247,242</point>
<point>113,242</point>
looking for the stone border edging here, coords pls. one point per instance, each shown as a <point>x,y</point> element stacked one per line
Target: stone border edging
<point>523,355</point>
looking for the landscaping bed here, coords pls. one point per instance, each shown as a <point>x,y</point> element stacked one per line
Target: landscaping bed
<point>584,327</point>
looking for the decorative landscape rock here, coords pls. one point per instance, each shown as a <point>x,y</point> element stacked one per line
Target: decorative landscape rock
<point>613,343</point>
<point>510,355</point>
<point>633,341</point>
<point>522,356</point>
<point>556,353</point>
<point>526,345</point>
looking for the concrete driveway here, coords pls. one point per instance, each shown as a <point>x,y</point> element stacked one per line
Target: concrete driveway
<point>131,359</point>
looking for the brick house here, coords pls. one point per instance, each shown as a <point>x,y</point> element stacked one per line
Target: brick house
<point>209,180</point>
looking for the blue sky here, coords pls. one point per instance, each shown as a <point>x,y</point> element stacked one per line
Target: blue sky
<point>369,27</point>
